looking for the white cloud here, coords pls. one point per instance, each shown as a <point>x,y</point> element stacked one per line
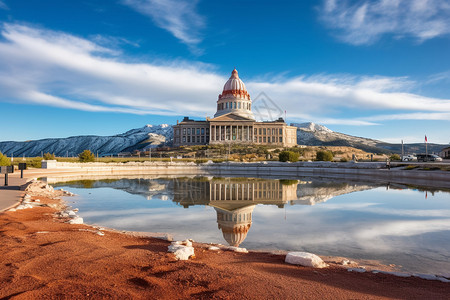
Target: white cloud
<point>57,69</point>
<point>364,22</point>
<point>180,18</point>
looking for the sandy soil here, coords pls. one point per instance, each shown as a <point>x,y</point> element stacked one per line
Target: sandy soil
<point>42,257</point>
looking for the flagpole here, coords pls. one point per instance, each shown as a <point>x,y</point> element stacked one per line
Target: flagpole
<point>426,146</point>
<point>403,153</point>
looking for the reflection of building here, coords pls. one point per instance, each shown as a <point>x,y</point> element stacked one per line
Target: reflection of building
<point>234,122</point>
<point>234,200</point>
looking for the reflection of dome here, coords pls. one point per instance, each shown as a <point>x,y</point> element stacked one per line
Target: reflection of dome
<point>234,224</point>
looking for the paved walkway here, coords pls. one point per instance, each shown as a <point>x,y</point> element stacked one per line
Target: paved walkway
<point>10,195</point>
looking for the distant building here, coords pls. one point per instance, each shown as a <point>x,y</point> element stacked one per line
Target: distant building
<point>445,153</point>
<point>234,122</point>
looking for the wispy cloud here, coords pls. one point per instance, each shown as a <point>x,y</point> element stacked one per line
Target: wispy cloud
<point>364,22</point>
<point>3,5</point>
<point>180,18</point>
<point>57,69</point>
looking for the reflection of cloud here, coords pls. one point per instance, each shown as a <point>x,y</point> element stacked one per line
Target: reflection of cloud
<point>402,228</point>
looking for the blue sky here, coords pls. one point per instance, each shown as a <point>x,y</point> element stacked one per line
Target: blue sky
<point>378,69</point>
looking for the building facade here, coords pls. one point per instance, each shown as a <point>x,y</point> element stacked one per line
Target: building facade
<point>234,122</point>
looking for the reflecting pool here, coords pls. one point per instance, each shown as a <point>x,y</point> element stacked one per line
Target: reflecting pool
<point>395,224</point>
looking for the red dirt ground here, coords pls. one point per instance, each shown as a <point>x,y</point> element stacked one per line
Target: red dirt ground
<point>41,257</point>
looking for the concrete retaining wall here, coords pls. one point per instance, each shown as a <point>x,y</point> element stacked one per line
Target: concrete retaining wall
<point>356,171</point>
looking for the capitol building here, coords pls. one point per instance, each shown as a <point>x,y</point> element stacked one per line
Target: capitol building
<point>234,122</point>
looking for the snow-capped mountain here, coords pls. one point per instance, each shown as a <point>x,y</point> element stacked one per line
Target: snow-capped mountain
<point>311,134</point>
<point>135,139</point>
<point>317,135</point>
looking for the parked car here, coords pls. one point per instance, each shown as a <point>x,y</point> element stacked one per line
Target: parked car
<point>428,157</point>
<point>409,157</point>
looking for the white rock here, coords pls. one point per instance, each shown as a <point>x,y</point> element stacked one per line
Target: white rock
<point>177,243</point>
<point>398,274</point>
<point>187,243</point>
<point>24,206</point>
<point>181,252</point>
<point>237,249</point>
<point>76,220</point>
<point>345,262</point>
<point>37,200</point>
<point>100,233</point>
<point>71,213</point>
<point>305,259</point>
<point>358,270</point>
<point>213,248</point>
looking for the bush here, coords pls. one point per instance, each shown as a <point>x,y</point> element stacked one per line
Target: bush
<point>288,156</point>
<point>394,157</point>
<point>323,155</point>
<point>4,160</point>
<point>49,156</point>
<point>86,156</point>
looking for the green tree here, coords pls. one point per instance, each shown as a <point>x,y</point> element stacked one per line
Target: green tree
<point>49,156</point>
<point>4,160</point>
<point>86,156</point>
<point>323,155</point>
<point>288,156</point>
<point>394,157</point>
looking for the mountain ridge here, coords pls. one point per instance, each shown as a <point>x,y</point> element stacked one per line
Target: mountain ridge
<point>309,134</point>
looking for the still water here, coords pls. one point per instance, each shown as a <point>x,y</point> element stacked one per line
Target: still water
<point>395,224</point>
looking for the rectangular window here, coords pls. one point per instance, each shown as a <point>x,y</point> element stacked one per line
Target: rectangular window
<point>184,139</point>
<point>256,131</point>
<point>264,131</point>
<point>264,139</point>
<point>207,130</point>
<point>189,139</point>
<point>260,139</point>
<point>207,139</point>
<point>189,131</point>
<point>273,131</point>
<point>184,131</point>
<point>260,131</point>
<point>226,105</point>
<point>234,105</point>
<point>203,131</point>
<point>198,131</point>
<point>203,139</point>
<point>281,139</point>
<point>239,105</point>
<point>281,131</point>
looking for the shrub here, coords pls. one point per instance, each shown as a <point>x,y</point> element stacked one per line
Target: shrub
<point>394,157</point>
<point>323,155</point>
<point>288,156</point>
<point>344,159</point>
<point>4,160</point>
<point>49,156</point>
<point>86,156</point>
